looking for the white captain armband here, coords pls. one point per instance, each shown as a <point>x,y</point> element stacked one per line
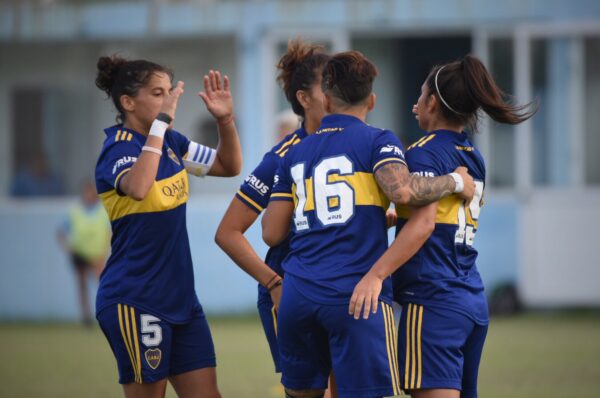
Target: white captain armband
<point>199,159</point>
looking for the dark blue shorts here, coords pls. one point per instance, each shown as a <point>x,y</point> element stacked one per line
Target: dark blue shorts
<point>149,349</point>
<point>314,338</point>
<point>439,348</point>
<point>268,317</point>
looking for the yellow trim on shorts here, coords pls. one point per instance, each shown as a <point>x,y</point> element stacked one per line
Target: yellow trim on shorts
<point>414,357</point>
<point>274,314</point>
<point>388,317</point>
<point>407,353</point>
<point>126,340</point>
<point>137,345</point>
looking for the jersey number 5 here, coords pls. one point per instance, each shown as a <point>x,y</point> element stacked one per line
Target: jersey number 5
<point>151,331</point>
<point>333,200</point>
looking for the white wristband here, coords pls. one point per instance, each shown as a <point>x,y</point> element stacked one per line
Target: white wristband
<point>152,149</point>
<point>158,128</point>
<point>458,181</point>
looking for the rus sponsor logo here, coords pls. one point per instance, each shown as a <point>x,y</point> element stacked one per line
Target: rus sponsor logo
<point>257,184</point>
<point>122,162</point>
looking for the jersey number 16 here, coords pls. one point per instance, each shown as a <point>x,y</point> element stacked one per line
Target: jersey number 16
<point>333,200</point>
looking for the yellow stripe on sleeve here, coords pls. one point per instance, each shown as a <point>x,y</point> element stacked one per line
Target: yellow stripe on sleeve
<point>125,337</point>
<point>386,160</point>
<point>407,362</point>
<point>129,137</point>
<point>118,135</point>
<point>253,203</point>
<point>419,325</point>
<point>120,175</point>
<point>137,345</point>
<point>282,195</point>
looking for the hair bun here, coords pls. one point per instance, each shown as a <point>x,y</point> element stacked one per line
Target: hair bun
<point>108,69</point>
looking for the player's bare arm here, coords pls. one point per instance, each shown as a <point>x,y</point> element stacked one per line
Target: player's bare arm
<point>230,238</point>
<point>404,188</point>
<point>276,222</point>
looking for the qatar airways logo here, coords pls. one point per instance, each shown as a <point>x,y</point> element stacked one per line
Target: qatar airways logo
<point>176,189</point>
<point>123,161</point>
<point>257,184</point>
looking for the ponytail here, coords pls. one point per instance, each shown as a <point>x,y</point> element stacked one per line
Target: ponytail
<point>464,87</point>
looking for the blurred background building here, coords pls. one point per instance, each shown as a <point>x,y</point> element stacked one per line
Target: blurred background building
<point>538,231</point>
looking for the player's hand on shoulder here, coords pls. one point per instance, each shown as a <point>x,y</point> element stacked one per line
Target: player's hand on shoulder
<point>469,184</point>
<point>217,95</point>
<point>169,105</point>
<point>365,297</point>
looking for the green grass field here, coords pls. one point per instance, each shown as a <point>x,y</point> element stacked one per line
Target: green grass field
<point>535,355</point>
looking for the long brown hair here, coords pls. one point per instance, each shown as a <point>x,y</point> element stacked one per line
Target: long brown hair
<point>348,77</point>
<point>299,68</point>
<point>118,76</point>
<point>465,86</point>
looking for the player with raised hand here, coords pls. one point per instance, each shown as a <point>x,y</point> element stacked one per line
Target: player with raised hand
<point>146,304</point>
<point>300,71</point>
<point>333,189</point>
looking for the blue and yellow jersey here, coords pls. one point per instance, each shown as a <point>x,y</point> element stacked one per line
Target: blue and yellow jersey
<point>338,226</point>
<point>255,192</point>
<point>150,266</point>
<point>443,272</point>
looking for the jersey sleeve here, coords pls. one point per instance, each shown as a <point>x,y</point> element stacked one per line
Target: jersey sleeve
<point>256,189</point>
<point>197,158</point>
<point>180,142</point>
<point>116,161</point>
<point>282,184</point>
<point>387,148</point>
<point>424,162</point>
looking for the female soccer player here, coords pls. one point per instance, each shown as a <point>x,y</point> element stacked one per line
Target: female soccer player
<point>300,77</point>
<point>146,303</point>
<point>444,319</point>
<point>332,190</point>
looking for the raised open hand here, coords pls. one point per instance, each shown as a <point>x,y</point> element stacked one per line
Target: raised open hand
<point>217,96</point>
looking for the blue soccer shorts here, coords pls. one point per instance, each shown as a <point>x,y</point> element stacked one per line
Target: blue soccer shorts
<point>149,349</point>
<point>439,348</point>
<point>315,338</point>
<point>268,317</point>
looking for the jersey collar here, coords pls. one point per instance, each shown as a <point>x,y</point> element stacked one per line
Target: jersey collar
<point>337,122</point>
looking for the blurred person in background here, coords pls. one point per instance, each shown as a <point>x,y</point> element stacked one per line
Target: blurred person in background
<point>300,77</point>
<point>444,320</point>
<point>287,122</point>
<point>332,191</point>
<point>35,178</point>
<point>146,304</point>
<point>85,236</point>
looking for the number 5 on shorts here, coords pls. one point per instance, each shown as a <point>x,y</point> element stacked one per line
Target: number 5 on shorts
<point>151,331</point>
